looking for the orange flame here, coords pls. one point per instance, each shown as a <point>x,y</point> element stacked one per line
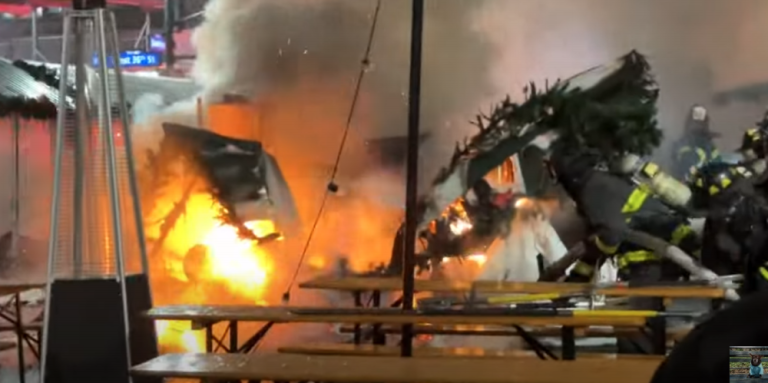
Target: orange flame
<point>237,264</point>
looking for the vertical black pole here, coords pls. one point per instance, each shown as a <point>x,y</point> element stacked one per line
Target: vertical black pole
<point>412,177</point>
<point>169,27</point>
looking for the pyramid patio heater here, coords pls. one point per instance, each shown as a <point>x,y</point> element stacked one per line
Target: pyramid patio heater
<point>98,285</point>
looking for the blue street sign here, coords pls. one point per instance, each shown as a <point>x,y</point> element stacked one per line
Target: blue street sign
<point>134,59</point>
<point>156,43</point>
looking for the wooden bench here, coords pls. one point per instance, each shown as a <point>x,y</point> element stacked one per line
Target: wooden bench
<point>13,317</point>
<point>31,326</point>
<point>432,352</point>
<point>6,345</point>
<point>582,332</point>
<point>363,284</point>
<point>358,285</point>
<point>204,316</point>
<point>385,369</point>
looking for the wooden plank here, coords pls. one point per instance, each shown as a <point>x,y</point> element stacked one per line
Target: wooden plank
<point>488,287</point>
<point>436,352</point>
<point>219,313</point>
<point>7,345</point>
<point>358,369</point>
<point>8,287</point>
<point>32,326</point>
<point>480,330</point>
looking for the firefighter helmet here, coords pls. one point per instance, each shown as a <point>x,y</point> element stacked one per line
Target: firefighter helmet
<point>754,143</point>
<point>712,178</point>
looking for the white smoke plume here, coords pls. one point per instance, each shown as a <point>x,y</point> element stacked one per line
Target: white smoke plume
<point>696,47</point>
<point>298,60</point>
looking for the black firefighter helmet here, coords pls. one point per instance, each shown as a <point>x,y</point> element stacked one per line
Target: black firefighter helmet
<point>716,177</point>
<point>754,143</point>
<point>571,167</point>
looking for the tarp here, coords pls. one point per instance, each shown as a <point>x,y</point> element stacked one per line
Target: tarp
<point>244,176</point>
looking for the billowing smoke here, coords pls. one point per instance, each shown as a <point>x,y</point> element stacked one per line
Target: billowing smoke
<point>696,47</point>
<point>298,61</point>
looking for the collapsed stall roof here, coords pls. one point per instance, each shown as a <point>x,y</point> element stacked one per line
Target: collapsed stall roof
<point>23,94</point>
<point>241,175</point>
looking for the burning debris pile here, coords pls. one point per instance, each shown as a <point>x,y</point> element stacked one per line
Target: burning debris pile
<point>212,220</point>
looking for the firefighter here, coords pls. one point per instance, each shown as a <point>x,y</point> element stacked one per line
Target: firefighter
<point>696,147</point>
<point>612,204</point>
<point>754,150</point>
<point>701,356</point>
<point>736,232</point>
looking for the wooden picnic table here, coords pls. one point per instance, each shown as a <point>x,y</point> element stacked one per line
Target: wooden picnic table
<point>432,352</point>
<point>485,330</point>
<point>209,314</point>
<point>376,285</point>
<point>12,287</point>
<point>387,369</point>
<point>205,316</point>
<point>364,284</point>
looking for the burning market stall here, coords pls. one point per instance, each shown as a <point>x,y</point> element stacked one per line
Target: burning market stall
<point>215,208</point>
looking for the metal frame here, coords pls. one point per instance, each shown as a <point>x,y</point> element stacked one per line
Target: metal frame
<point>35,50</point>
<point>107,43</point>
<point>412,168</point>
<point>11,312</point>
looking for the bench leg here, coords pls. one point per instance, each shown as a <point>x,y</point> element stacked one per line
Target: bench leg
<point>209,338</point>
<point>251,343</point>
<point>20,338</point>
<point>233,341</point>
<point>569,343</point>
<point>378,337</point>
<point>358,334</point>
<point>541,351</point>
<point>658,328</point>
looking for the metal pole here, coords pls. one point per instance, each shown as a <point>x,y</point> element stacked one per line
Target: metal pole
<point>35,39</point>
<point>114,185</point>
<point>33,20</point>
<point>80,132</point>
<point>412,177</point>
<point>15,205</point>
<point>143,36</point>
<point>56,194</point>
<point>170,43</point>
<point>128,141</point>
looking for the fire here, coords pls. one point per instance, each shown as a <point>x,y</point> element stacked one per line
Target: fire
<point>179,335</point>
<point>478,259</point>
<point>459,220</point>
<point>229,268</point>
<point>238,262</point>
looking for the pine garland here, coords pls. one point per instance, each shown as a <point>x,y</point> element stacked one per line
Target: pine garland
<point>617,115</point>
